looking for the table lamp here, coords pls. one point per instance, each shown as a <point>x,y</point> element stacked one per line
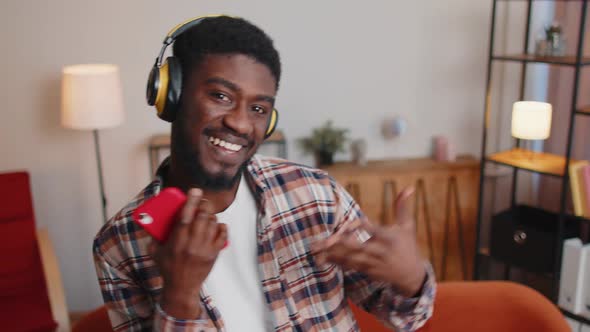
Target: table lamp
<point>92,99</point>
<point>531,120</point>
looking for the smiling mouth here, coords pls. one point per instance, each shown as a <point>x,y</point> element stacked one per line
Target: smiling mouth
<point>230,147</point>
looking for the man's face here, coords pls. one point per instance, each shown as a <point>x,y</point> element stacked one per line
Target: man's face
<point>225,109</point>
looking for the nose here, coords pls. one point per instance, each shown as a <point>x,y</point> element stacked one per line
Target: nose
<point>239,121</point>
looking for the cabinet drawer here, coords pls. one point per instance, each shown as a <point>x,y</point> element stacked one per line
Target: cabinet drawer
<point>525,236</point>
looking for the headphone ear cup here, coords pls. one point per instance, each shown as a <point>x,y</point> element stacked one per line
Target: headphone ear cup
<point>173,91</point>
<point>153,84</point>
<point>272,123</point>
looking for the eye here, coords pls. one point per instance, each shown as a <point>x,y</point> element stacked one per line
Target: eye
<point>220,96</point>
<point>258,109</point>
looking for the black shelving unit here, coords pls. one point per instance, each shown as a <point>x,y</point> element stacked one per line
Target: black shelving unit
<point>551,165</point>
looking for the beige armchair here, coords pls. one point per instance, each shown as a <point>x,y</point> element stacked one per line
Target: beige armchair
<point>55,288</point>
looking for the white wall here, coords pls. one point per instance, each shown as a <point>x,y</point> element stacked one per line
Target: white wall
<point>354,62</point>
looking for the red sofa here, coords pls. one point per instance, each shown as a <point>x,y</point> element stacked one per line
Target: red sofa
<point>484,306</point>
<point>28,300</point>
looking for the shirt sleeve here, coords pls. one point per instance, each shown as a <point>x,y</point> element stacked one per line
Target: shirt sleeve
<point>378,298</point>
<point>164,322</point>
<point>131,308</point>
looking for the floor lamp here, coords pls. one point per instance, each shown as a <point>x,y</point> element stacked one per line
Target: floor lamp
<point>92,99</point>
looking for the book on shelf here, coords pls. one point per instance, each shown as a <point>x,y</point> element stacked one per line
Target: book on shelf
<point>579,187</point>
<point>573,324</point>
<point>573,267</point>
<point>585,176</point>
<point>585,286</point>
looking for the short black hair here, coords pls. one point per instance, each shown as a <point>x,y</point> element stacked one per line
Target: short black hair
<point>225,35</point>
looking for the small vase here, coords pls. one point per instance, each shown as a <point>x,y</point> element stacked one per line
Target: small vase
<point>358,151</point>
<point>324,158</point>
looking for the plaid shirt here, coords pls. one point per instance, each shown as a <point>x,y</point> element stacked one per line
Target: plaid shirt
<point>297,205</point>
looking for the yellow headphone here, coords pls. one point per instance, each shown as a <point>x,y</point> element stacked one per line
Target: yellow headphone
<point>164,84</point>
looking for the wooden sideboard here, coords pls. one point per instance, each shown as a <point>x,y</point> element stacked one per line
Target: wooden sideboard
<point>445,204</point>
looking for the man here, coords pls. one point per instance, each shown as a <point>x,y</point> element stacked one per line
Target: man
<point>299,246</point>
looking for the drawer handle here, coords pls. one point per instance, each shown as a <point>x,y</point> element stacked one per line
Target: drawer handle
<point>519,237</point>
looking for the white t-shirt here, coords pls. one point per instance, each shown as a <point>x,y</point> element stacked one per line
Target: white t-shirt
<point>234,282</point>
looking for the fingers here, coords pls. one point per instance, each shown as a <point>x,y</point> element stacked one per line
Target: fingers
<point>200,225</point>
<point>350,254</point>
<point>180,234</point>
<point>403,211</point>
<point>221,238</point>
<point>346,229</point>
<point>212,229</point>
<point>361,261</point>
<point>345,247</point>
<point>370,228</point>
<point>334,253</point>
<point>152,248</point>
<point>191,205</point>
<point>198,228</point>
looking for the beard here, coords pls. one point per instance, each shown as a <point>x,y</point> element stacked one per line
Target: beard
<point>188,159</point>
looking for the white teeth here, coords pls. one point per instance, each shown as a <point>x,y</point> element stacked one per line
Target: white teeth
<point>224,144</point>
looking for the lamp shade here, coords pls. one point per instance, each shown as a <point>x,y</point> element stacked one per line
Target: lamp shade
<point>91,97</point>
<point>531,120</point>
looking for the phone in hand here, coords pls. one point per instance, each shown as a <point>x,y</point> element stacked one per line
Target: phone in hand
<point>158,214</point>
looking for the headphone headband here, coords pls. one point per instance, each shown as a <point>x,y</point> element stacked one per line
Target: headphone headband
<point>182,27</point>
<point>177,31</point>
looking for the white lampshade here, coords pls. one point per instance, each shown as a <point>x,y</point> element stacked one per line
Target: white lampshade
<point>91,97</point>
<point>531,120</point>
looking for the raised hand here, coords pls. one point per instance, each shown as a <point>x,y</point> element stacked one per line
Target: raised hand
<point>390,254</point>
<point>186,259</point>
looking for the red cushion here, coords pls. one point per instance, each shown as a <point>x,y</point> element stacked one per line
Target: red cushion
<point>21,270</point>
<point>15,196</point>
<point>24,303</point>
<point>26,313</point>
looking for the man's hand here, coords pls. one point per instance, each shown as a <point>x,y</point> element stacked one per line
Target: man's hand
<point>390,255</point>
<point>187,257</point>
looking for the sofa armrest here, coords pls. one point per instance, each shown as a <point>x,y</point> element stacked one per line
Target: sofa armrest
<point>53,280</point>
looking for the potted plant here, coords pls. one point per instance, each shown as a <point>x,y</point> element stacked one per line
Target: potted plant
<point>324,142</point>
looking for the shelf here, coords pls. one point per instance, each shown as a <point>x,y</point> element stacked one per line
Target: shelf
<point>580,219</point>
<point>568,60</point>
<point>583,110</point>
<point>540,0</point>
<point>535,249</point>
<point>575,317</point>
<point>462,162</point>
<point>539,162</point>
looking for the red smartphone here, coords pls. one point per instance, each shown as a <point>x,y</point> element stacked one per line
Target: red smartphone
<point>157,214</point>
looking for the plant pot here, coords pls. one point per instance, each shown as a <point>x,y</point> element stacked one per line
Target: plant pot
<point>324,158</point>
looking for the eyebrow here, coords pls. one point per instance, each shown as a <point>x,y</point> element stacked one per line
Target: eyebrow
<point>235,88</point>
<point>269,99</point>
<point>226,83</point>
